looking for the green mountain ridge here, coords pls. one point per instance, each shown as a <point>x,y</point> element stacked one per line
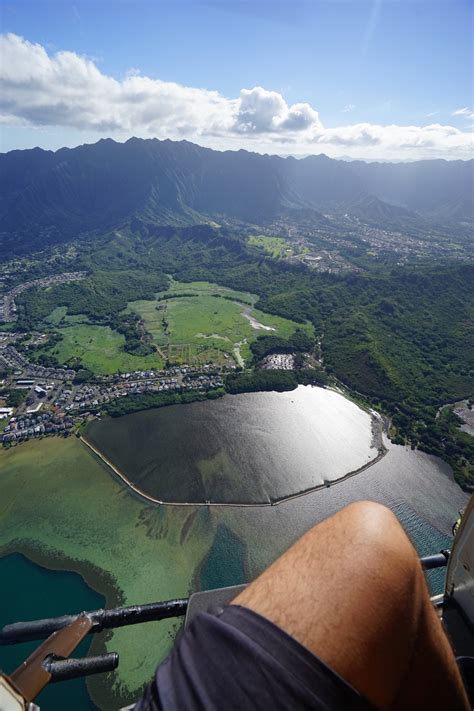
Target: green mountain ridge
<point>48,197</point>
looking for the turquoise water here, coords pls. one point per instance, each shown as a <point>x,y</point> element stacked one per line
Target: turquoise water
<point>427,540</point>
<point>31,592</point>
<point>419,488</point>
<point>225,562</point>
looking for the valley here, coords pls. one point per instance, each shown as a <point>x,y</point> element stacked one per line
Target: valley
<point>236,313</point>
<point>392,334</point>
<point>350,209</point>
<point>252,364</point>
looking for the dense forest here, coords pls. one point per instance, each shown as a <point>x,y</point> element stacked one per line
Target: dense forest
<point>401,337</point>
<point>299,342</point>
<point>146,401</point>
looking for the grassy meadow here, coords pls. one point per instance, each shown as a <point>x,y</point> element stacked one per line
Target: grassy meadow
<point>276,247</point>
<point>207,322</point>
<point>195,322</point>
<point>98,348</point>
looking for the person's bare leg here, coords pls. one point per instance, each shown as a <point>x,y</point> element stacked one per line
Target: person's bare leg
<point>352,590</point>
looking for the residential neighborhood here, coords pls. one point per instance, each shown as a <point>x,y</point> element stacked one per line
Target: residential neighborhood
<point>11,358</point>
<point>55,404</point>
<point>7,302</point>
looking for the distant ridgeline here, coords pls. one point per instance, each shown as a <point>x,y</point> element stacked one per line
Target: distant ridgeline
<point>49,197</point>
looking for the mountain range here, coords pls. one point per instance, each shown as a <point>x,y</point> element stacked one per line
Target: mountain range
<point>47,196</point>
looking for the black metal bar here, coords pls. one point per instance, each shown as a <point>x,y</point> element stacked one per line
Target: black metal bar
<point>439,560</point>
<point>134,614</point>
<point>70,668</point>
<point>102,619</point>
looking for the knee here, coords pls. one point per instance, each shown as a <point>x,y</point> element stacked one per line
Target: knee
<point>376,542</point>
<point>377,526</point>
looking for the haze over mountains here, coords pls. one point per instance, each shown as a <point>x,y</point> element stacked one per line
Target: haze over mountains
<point>101,186</point>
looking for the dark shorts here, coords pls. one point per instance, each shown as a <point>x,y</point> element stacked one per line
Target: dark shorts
<point>235,659</point>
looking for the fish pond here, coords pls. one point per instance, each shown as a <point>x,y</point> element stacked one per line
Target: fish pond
<point>254,448</point>
<point>64,508</point>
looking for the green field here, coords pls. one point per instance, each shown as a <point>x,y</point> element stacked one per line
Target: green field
<point>207,288</point>
<point>204,323</point>
<point>277,247</point>
<point>99,348</point>
<point>207,322</point>
<point>57,316</point>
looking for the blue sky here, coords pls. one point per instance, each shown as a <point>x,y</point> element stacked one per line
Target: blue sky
<point>345,73</point>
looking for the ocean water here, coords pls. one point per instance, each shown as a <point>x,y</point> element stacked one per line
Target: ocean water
<point>30,591</point>
<point>419,488</point>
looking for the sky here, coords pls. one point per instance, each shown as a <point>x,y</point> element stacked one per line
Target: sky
<point>371,79</point>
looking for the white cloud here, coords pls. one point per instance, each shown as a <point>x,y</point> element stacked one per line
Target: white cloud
<point>348,108</point>
<point>258,109</point>
<point>262,111</point>
<point>390,136</point>
<point>69,92</point>
<point>468,113</point>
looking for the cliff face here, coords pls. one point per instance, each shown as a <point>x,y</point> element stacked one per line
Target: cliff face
<point>99,186</point>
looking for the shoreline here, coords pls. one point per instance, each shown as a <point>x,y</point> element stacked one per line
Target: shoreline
<point>104,695</point>
<point>96,579</point>
<point>92,576</point>
<point>103,583</point>
<point>377,431</point>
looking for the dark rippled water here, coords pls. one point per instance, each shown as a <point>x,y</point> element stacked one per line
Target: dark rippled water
<point>255,448</point>
<point>260,446</point>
